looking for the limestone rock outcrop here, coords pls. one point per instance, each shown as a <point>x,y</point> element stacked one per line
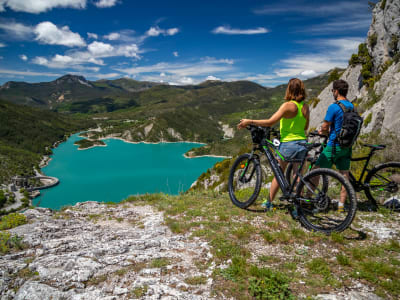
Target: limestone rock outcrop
<point>98,251</point>
<point>380,104</point>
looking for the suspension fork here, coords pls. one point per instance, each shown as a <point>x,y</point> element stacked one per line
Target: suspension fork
<point>242,175</point>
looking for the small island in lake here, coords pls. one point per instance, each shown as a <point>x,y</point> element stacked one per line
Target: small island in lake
<point>86,144</point>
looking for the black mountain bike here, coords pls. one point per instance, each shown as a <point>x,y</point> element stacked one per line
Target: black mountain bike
<point>380,184</point>
<point>314,200</point>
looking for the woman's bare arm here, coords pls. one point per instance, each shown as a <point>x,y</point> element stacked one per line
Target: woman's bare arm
<point>284,111</point>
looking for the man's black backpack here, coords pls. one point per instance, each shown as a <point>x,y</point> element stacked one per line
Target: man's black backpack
<point>351,126</point>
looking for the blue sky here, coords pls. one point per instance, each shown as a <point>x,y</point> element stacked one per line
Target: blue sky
<point>179,42</point>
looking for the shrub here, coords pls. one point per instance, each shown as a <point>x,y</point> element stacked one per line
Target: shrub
<point>8,242</point>
<point>3,198</point>
<point>367,120</point>
<point>372,40</point>
<point>12,220</point>
<point>269,284</point>
<point>383,4</point>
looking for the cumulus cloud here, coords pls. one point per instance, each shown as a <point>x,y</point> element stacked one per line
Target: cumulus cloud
<point>308,73</point>
<point>232,31</point>
<point>175,53</point>
<point>210,77</point>
<point>156,31</point>
<point>48,33</point>
<point>112,36</point>
<point>96,52</point>
<point>16,30</point>
<point>39,6</point>
<point>100,48</point>
<point>106,3</point>
<point>92,36</point>
<point>23,57</point>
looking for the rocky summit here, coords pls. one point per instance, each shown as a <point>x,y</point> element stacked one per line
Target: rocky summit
<point>99,251</point>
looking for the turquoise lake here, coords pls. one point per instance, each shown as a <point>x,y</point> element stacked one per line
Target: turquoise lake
<point>119,170</point>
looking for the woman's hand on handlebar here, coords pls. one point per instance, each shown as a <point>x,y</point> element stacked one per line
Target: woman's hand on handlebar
<point>244,123</point>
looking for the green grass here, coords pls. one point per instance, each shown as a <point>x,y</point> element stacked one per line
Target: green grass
<point>231,232</point>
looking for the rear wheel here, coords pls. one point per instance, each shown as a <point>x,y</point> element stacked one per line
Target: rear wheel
<point>317,199</point>
<point>383,185</point>
<point>245,180</point>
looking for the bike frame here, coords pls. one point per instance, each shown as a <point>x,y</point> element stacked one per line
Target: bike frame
<point>269,149</point>
<point>357,184</point>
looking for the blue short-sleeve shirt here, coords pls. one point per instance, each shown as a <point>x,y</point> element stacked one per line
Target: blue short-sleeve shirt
<point>334,115</point>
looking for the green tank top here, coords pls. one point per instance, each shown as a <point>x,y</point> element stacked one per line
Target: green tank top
<point>293,129</point>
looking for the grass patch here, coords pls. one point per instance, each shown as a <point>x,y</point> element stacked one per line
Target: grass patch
<point>160,262</point>
<point>196,280</point>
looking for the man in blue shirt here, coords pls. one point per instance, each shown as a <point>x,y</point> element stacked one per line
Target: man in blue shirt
<point>333,153</point>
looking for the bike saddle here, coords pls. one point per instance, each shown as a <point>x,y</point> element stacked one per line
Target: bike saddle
<point>377,147</point>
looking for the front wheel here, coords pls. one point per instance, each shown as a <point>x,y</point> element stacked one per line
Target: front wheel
<point>383,183</point>
<point>244,180</point>
<point>317,200</point>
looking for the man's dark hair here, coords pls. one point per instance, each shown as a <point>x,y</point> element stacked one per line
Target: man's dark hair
<point>341,86</point>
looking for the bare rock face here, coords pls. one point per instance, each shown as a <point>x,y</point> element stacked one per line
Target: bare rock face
<point>384,32</point>
<point>385,114</point>
<point>98,251</point>
<point>383,103</point>
<point>353,77</point>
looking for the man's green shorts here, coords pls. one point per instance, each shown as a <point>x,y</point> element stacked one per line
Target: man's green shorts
<point>341,159</point>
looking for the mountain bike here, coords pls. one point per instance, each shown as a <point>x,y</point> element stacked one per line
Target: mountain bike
<point>315,201</point>
<point>381,183</point>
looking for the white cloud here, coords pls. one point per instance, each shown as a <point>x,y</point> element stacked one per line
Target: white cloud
<point>92,35</point>
<point>106,3</point>
<point>2,45</point>
<point>23,57</point>
<point>107,76</point>
<point>180,73</point>
<point>100,48</point>
<point>48,33</point>
<point>16,30</point>
<point>172,31</point>
<point>112,36</point>
<point>156,31</point>
<point>210,77</point>
<point>332,53</point>
<point>232,31</point>
<point>38,6</point>
<point>308,73</point>
<point>285,7</point>
<point>27,73</point>
<point>175,53</point>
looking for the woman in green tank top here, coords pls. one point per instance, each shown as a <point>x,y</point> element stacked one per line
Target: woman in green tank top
<point>294,117</point>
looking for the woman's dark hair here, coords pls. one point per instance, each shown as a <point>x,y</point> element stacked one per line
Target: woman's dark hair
<point>341,86</point>
<point>295,90</point>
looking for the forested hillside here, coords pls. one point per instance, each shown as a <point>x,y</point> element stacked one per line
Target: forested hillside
<point>26,134</point>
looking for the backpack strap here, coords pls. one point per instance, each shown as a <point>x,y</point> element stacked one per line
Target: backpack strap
<point>343,107</point>
<point>344,110</point>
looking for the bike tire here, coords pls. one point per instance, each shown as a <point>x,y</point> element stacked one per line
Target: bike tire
<point>243,194</point>
<point>320,213</point>
<point>383,182</point>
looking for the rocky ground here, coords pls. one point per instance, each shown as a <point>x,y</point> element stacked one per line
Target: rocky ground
<point>128,251</point>
<point>98,251</point>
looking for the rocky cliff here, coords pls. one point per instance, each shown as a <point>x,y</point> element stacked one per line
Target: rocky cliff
<point>373,75</point>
